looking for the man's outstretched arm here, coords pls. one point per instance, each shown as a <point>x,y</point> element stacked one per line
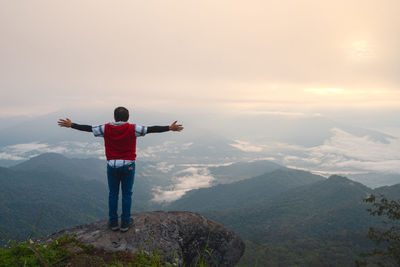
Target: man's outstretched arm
<point>161,129</point>
<point>69,124</point>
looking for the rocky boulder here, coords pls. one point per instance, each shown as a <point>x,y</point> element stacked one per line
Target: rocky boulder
<point>180,237</point>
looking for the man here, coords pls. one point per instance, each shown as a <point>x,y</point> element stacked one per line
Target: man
<point>120,147</point>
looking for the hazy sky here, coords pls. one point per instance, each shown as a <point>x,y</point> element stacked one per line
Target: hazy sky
<point>237,56</point>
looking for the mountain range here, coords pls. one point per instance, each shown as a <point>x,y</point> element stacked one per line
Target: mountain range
<point>286,216</point>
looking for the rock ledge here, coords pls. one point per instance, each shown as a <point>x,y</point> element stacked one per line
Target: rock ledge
<point>181,237</point>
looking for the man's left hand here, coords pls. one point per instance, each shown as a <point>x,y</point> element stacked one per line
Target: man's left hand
<point>175,127</point>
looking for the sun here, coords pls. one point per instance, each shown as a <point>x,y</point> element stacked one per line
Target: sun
<point>362,50</point>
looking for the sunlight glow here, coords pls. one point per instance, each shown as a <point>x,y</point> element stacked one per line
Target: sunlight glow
<point>325,91</point>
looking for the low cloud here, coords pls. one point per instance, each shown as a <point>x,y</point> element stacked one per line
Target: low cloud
<point>346,152</point>
<point>185,180</point>
<point>164,167</point>
<point>247,146</point>
<point>342,152</point>
<point>28,147</point>
<point>270,148</point>
<point>25,151</point>
<point>7,156</point>
<point>362,148</point>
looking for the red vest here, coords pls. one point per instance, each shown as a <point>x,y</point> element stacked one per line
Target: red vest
<point>120,141</point>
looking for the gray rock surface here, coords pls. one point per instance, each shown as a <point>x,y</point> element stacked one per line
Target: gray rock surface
<point>181,237</point>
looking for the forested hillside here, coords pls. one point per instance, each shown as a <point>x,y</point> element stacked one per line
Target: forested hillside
<point>50,192</point>
<point>46,201</point>
<point>290,217</point>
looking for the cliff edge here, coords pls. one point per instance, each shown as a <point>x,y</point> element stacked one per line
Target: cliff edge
<point>181,237</point>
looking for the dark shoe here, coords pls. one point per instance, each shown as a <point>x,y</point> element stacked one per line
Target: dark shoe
<point>125,225</point>
<point>113,225</point>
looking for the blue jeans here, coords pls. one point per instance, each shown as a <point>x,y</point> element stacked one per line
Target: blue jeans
<point>125,176</point>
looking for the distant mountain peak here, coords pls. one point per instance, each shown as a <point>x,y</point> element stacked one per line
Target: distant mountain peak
<point>345,183</point>
<point>45,160</point>
<point>342,179</point>
<point>337,177</point>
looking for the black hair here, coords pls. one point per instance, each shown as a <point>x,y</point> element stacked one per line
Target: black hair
<point>121,114</point>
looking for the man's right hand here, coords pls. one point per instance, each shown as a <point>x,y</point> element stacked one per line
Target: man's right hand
<point>65,123</point>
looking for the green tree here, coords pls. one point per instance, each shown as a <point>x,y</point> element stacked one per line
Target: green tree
<point>386,237</point>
